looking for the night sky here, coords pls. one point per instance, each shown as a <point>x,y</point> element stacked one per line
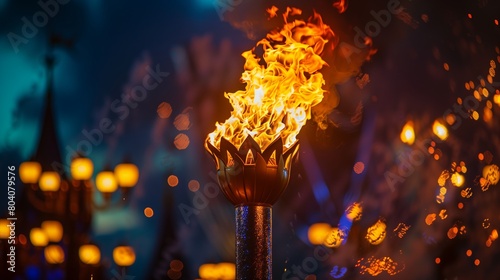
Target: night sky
<point>424,56</point>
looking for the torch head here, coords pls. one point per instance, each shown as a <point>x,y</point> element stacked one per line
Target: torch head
<point>250,176</point>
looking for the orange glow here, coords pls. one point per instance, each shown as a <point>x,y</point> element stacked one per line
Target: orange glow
<point>437,260</point>
<point>181,141</point>
<point>374,266</point>
<point>217,271</point>
<point>446,67</point>
<point>460,205</point>
<point>477,262</point>
<point>318,232</point>
<point>172,180</point>
<point>89,254</point>
<point>452,232</point>
<point>30,171</point>
<point>430,219</point>
<point>491,173</point>
<point>38,237</point>
<point>148,212</point>
<point>469,253</point>
<point>376,233</point>
<point>334,238</point>
<point>127,174</point>
<point>354,211</point>
<point>358,167</point>
<point>106,182</point>
<point>50,181</point>
<point>4,229</point>
<point>53,230</point>
<point>469,15</point>
<point>442,214</point>
<point>407,133</point>
<point>164,110</point>
<point>496,21</point>
<point>282,88</point>
<point>457,179</point>
<point>81,168</point>
<point>182,121</point>
<point>440,130</point>
<point>54,254</point>
<point>124,256</point>
<point>193,185</point>
<point>430,150</point>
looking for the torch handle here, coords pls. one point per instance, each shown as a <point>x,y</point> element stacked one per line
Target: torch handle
<point>253,242</point>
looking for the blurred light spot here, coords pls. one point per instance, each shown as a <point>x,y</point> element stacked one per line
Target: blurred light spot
<point>442,214</point>
<point>176,265</point>
<point>359,167</point>
<point>317,233</point>
<point>164,110</point>
<point>480,156</point>
<point>354,212</point>
<point>460,205</point>
<point>496,99</point>
<point>174,275</point>
<point>181,141</point>
<point>493,236</point>
<point>334,238</point>
<point>457,179</point>
<point>148,212</point>
<point>489,105</point>
<point>477,96</point>
<point>491,173</point>
<point>487,115</point>
<point>452,232</point>
<point>425,18</point>
<point>437,260</point>
<point>408,133</point>
<point>401,230</point>
<point>22,239</point>
<point>430,219</point>
<point>446,66</point>
<point>475,115</point>
<point>433,144</point>
<point>440,130</point>
<point>172,180</point>
<point>182,122</point>
<point>374,266</point>
<point>194,185</point>
<point>466,193</point>
<point>436,157</point>
<point>450,119</point>
<point>338,273</point>
<point>469,253</point>
<point>495,21</point>
<point>376,233</point>
<point>467,86</point>
<point>430,150</point>
<point>486,223</point>
<point>477,262</point>
<point>469,15</point>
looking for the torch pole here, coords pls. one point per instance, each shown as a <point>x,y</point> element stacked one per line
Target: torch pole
<point>253,242</point>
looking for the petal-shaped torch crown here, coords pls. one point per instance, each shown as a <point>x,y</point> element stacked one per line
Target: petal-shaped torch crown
<point>250,176</point>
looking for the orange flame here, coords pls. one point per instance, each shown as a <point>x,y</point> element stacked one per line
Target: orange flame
<point>281,90</point>
<point>341,5</point>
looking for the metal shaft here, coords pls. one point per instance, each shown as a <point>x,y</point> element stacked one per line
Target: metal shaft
<point>253,242</point>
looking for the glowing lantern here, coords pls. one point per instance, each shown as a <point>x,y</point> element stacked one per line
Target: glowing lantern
<point>54,254</point>
<point>376,233</point>
<point>50,181</point>
<point>354,212</point>
<point>4,229</point>
<point>334,238</point>
<point>124,256</point>
<point>89,254</point>
<point>81,168</point>
<point>30,171</point>
<point>127,174</point>
<point>457,179</point>
<point>53,230</point>
<point>407,133</point>
<point>106,182</point>
<point>38,237</point>
<point>491,173</point>
<point>318,232</point>
<point>440,130</point>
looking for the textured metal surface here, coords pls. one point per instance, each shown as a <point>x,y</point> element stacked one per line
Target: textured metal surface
<point>253,242</point>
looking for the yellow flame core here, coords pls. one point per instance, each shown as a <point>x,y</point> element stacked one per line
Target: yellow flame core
<point>280,92</point>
